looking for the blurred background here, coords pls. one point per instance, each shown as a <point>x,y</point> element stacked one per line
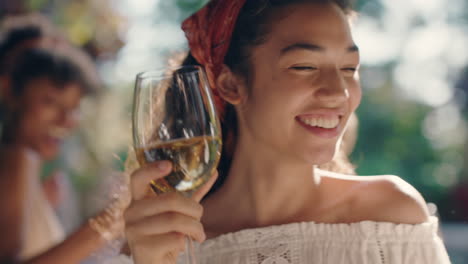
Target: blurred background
<point>412,121</point>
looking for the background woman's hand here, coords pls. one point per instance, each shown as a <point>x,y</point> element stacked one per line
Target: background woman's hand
<point>19,160</point>
<point>156,226</point>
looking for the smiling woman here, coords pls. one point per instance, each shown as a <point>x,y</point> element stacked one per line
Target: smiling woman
<point>42,79</point>
<point>44,100</point>
<point>285,77</point>
<point>41,95</point>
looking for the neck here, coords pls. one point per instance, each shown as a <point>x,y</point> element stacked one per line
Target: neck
<point>265,188</point>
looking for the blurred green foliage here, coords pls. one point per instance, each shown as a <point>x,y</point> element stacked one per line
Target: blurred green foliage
<point>391,141</point>
<point>190,6</point>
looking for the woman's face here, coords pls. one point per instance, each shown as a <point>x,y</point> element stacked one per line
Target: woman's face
<point>47,114</point>
<point>305,83</point>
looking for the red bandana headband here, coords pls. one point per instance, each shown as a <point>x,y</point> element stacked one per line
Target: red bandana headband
<point>209,32</point>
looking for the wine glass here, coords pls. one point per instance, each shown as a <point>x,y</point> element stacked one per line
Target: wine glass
<point>174,119</point>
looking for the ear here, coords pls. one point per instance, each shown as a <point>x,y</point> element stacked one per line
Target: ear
<point>230,86</point>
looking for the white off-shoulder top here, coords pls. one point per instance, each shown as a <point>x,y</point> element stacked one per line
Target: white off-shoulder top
<point>364,242</point>
<point>41,227</point>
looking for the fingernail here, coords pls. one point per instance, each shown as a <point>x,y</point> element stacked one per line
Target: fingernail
<point>162,165</point>
<point>202,238</point>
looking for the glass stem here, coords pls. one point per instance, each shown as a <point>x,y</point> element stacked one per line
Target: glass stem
<point>190,252</point>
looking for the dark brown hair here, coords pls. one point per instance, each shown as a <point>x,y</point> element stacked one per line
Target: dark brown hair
<point>36,63</point>
<point>18,34</point>
<point>251,29</point>
<point>23,58</point>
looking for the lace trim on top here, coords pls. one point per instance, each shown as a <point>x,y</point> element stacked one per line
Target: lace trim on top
<point>272,243</point>
<point>309,242</point>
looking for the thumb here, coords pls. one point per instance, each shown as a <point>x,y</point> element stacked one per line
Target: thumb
<point>200,193</point>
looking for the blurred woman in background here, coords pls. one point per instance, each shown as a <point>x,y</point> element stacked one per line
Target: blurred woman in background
<point>42,81</point>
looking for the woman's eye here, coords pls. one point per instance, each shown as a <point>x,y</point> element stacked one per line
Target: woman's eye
<point>303,68</point>
<point>350,69</point>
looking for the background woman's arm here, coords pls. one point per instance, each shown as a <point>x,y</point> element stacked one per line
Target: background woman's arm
<point>74,249</point>
<point>16,167</point>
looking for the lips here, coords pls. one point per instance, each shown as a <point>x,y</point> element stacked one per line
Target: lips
<point>58,132</point>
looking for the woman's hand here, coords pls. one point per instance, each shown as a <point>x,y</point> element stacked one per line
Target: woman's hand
<point>156,226</point>
<point>19,156</point>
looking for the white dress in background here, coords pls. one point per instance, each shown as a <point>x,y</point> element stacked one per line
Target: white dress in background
<point>42,229</point>
<point>365,242</point>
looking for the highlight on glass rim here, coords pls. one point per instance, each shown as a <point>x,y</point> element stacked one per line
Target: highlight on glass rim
<point>234,131</point>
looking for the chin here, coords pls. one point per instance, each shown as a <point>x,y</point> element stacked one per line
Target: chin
<point>322,160</point>
<point>320,157</point>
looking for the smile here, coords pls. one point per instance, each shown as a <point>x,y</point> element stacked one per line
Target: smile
<point>322,122</point>
<point>58,133</point>
<point>323,126</point>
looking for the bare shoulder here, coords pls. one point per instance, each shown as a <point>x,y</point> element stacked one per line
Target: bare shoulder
<point>384,198</point>
<point>389,198</point>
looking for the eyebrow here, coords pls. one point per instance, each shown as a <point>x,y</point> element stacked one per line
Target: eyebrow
<point>313,47</point>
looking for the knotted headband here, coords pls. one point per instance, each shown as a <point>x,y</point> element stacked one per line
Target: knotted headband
<point>209,32</point>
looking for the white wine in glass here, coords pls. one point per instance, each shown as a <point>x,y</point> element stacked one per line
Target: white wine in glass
<point>193,159</point>
<point>174,119</point>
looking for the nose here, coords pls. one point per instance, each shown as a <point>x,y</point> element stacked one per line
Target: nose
<point>333,89</point>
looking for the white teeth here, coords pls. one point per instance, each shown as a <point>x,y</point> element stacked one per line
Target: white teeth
<point>322,122</point>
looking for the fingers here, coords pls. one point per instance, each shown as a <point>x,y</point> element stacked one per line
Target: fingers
<point>168,202</point>
<point>156,226</point>
<point>167,242</point>
<point>19,156</point>
<point>199,194</point>
<point>166,223</point>
<point>157,249</point>
<point>141,178</point>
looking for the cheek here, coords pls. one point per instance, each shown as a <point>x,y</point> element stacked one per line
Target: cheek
<point>270,113</point>
<point>265,102</point>
<point>355,95</point>
<point>40,114</point>
<point>75,119</point>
